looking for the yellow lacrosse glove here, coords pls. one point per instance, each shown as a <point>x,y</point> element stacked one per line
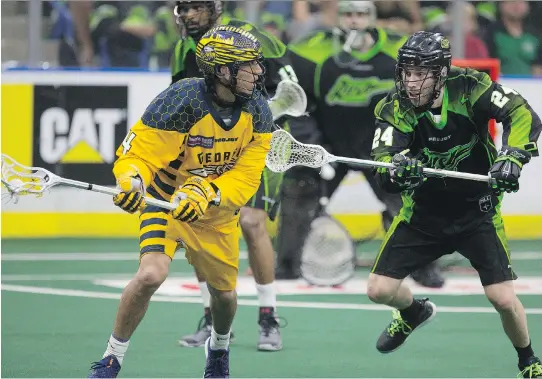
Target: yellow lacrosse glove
<point>192,199</point>
<point>132,197</point>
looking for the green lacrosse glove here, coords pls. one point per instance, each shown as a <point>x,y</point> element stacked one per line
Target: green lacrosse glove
<point>506,170</point>
<point>408,172</point>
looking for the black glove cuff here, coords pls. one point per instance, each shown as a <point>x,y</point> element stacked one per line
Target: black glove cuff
<point>520,155</point>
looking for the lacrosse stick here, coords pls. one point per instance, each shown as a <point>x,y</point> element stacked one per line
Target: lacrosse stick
<point>21,180</point>
<point>286,152</point>
<point>289,99</point>
<point>328,256</point>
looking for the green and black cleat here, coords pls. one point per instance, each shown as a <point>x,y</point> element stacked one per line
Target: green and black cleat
<point>531,368</point>
<point>395,335</point>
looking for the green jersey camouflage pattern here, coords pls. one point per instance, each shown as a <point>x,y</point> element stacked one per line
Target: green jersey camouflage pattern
<point>456,139</point>
<point>343,88</point>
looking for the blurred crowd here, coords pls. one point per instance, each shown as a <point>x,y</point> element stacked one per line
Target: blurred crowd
<point>142,34</point>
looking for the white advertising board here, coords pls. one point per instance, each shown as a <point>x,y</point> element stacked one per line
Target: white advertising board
<point>353,197</point>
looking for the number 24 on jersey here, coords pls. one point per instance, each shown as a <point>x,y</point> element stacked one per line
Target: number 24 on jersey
<point>386,137</point>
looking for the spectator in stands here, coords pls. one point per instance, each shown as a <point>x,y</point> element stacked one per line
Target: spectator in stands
<point>510,40</point>
<point>403,17</point>
<point>166,36</point>
<point>274,17</point>
<point>310,15</point>
<point>487,14</point>
<point>535,15</point>
<point>475,47</point>
<point>120,32</point>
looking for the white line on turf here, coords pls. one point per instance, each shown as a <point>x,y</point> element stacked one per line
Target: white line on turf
<point>77,277</point>
<point>117,256</point>
<point>254,303</point>
<point>112,256</point>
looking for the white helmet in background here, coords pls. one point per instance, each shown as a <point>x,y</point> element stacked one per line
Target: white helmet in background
<point>356,15</point>
<point>355,18</point>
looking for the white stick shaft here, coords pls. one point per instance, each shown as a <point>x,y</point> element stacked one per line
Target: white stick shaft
<point>429,171</point>
<point>113,192</point>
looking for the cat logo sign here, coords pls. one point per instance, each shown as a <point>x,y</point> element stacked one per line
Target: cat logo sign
<point>87,137</point>
<point>77,130</point>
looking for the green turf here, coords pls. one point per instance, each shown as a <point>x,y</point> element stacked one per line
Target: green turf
<point>51,336</point>
<point>60,336</point>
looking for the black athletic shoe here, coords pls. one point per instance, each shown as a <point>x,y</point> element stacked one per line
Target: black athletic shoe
<point>395,335</point>
<point>203,332</point>
<point>429,276</point>
<point>531,368</point>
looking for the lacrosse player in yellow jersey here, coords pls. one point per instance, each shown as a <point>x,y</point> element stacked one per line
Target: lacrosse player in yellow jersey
<point>200,144</point>
<point>194,18</point>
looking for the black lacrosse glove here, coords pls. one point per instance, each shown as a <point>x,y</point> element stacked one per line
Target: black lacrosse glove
<point>506,170</point>
<point>408,173</point>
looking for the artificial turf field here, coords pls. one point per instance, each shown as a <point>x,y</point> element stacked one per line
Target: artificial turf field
<point>59,299</point>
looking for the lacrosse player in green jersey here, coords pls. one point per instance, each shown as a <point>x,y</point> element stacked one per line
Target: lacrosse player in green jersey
<point>194,19</point>
<point>438,117</point>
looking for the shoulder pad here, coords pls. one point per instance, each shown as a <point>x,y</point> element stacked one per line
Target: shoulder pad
<point>313,38</point>
<point>178,107</point>
<point>394,36</point>
<point>389,110</point>
<point>261,114</point>
<point>391,43</point>
<point>317,47</point>
<point>272,47</point>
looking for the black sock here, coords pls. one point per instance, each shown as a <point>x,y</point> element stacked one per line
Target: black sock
<point>207,313</point>
<point>412,311</point>
<point>525,353</point>
<point>266,312</point>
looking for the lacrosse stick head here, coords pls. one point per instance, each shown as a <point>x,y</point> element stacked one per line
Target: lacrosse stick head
<point>286,152</point>
<point>290,99</point>
<point>19,180</point>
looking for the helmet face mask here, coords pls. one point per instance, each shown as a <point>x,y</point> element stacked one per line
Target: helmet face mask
<point>422,67</point>
<point>420,85</point>
<point>244,80</point>
<point>356,15</point>
<point>356,18</point>
<point>232,57</point>
<point>196,17</point>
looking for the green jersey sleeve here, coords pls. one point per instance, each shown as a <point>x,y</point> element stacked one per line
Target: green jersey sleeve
<point>178,58</point>
<point>394,127</point>
<point>491,100</point>
<point>394,133</point>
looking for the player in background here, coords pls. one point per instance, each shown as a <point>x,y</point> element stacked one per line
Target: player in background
<point>195,18</point>
<point>344,72</point>
<point>201,144</point>
<point>437,117</point>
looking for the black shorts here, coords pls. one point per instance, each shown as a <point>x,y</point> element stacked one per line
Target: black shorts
<point>268,195</point>
<point>406,249</point>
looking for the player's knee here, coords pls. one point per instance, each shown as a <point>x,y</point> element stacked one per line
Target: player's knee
<point>503,303</point>
<point>253,221</point>
<point>501,296</point>
<point>153,271</point>
<point>379,290</point>
<point>224,297</point>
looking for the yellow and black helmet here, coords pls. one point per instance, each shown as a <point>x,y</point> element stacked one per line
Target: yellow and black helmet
<point>229,46</point>
<point>226,45</point>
